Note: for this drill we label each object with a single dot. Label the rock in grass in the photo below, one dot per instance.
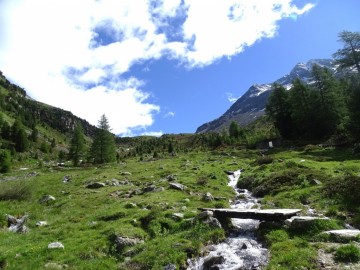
(345, 234)
(55, 245)
(17, 224)
(122, 242)
(208, 197)
(177, 186)
(53, 265)
(47, 199)
(301, 221)
(170, 267)
(96, 185)
(177, 216)
(41, 223)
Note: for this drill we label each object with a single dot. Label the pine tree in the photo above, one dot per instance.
(278, 108)
(103, 148)
(77, 146)
(5, 161)
(349, 55)
(19, 136)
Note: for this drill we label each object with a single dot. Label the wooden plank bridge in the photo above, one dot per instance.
(259, 214)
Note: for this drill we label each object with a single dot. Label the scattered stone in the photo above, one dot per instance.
(17, 225)
(150, 188)
(186, 200)
(345, 234)
(212, 262)
(130, 205)
(315, 182)
(183, 208)
(170, 267)
(302, 221)
(32, 174)
(55, 245)
(96, 185)
(177, 186)
(123, 242)
(205, 214)
(243, 246)
(160, 189)
(41, 223)
(113, 182)
(171, 177)
(125, 173)
(47, 199)
(177, 216)
(213, 222)
(208, 197)
(52, 265)
(66, 179)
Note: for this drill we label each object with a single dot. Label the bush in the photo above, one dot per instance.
(17, 191)
(346, 190)
(5, 161)
(264, 160)
(347, 253)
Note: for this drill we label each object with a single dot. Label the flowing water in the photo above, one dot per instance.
(240, 251)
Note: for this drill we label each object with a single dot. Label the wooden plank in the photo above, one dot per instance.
(259, 214)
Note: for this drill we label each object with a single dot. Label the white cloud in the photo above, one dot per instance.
(73, 54)
(169, 114)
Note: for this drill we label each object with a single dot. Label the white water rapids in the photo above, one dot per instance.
(240, 251)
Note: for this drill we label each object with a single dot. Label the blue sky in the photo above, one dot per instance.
(164, 66)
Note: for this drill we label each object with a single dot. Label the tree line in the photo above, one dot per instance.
(327, 107)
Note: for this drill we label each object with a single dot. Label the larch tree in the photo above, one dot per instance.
(349, 55)
(77, 146)
(103, 149)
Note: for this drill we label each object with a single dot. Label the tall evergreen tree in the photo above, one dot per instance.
(349, 55)
(77, 145)
(5, 161)
(278, 108)
(19, 137)
(103, 148)
(329, 102)
(301, 107)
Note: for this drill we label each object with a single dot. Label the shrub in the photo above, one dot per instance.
(5, 161)
(347, 253)
(264, 160)
(346, 190)
(14, 191)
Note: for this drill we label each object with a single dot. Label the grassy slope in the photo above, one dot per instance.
(84, 219)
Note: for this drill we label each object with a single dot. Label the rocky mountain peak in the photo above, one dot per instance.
(252, 104)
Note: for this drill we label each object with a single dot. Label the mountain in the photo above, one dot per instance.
(252, 104)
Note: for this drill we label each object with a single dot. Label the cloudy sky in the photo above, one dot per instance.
(161, 66)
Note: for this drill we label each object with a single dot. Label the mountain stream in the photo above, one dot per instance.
(240, 251)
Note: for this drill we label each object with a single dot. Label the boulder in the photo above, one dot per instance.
(205, 214)
(41, 223)
(55, 245)
(344, 235)
(177, 216)
(122, 242)
(177, 186)
(17, 224)
(112, 182)
(96, 185)
(53, 265)
(302, 221)
(66, 179)
(170, 267)
(213, 222)
(149, 188)
(212, 262)
(208, 197)
(47, 199)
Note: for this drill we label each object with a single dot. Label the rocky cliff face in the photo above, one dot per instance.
(252, 104)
